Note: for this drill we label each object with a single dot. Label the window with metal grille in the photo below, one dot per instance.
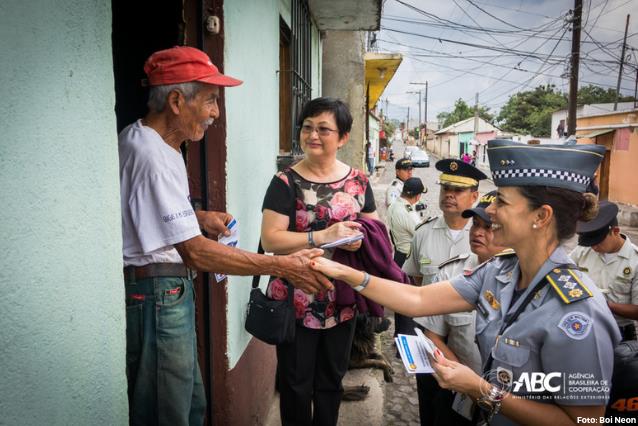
(295, 88)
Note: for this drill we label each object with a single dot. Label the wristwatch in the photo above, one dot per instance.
(491, 402)
(364, 283)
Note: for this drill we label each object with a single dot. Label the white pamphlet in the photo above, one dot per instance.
(413, 354)
(343, 241)
(231, 241)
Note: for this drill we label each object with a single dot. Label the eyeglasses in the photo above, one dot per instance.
(321, 130)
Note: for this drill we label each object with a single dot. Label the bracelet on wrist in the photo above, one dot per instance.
(311, 240)
(364, 283)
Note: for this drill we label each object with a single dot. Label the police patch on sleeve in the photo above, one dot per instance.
(576, 325)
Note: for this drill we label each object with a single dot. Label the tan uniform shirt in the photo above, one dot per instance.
(402, 219)
(432, 245)
(617, 279)
(393, 192)
(459, 327)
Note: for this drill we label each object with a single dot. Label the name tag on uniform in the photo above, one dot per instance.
(425, 261)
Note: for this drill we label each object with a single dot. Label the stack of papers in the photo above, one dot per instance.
(414, 352)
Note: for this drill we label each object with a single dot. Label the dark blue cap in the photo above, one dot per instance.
(559, 166)
(594, 231)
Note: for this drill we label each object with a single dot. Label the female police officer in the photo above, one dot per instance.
(545, 333)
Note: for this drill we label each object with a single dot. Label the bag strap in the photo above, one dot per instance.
(292, 217)
(510, 319)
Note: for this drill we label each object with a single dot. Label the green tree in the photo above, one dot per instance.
(461, 112)
(530, 112)
(597, 95)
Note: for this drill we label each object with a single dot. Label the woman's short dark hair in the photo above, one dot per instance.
(337, 107)
(569, 206)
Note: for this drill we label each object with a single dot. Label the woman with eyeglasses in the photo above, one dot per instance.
(328, 196)
(544, 331)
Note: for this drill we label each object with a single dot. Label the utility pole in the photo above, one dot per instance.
(418, 116)
(636, 91)
(476, 116)
(407, 125)
(425, 114)
(425, 102)
(575, 60)
(622, 62)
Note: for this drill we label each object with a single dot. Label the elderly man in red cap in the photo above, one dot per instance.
(163, 240)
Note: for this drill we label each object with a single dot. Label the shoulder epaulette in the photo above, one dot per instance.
(506, 253)
(428, 220)
(454, 259)
(394, 183)
(567, 285)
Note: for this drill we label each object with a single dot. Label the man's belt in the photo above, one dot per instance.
(154, 270)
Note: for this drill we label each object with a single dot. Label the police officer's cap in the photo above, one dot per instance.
(403, 164)
(413, 186)
(593, 232)
(559, 166)
(479, 210)
(458, 173)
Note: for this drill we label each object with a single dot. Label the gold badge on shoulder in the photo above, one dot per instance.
(491, 299)
(626, 271)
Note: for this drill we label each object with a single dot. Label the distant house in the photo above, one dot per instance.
(618, 132)
(585, 111)
(454, 140)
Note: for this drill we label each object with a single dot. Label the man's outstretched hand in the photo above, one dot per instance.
(298, 273)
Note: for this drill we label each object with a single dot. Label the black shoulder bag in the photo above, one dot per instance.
(273, 321)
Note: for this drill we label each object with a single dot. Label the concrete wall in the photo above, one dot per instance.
(63, 316)
(343, 77)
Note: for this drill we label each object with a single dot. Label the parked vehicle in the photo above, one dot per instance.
(407, 153)
(420, 158)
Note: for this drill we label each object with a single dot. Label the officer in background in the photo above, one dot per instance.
(403, 170)
(611, 260)
(403, 218)
(454, 334)
(438, 239)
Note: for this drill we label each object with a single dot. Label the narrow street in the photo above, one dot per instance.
(401, 406)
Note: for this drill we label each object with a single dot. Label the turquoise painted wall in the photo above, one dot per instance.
(252, 111)
(252, 133)
(62, 317)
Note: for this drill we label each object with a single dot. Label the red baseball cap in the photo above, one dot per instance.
(182, 64)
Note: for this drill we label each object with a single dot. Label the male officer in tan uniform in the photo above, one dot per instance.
(403, 170)
(611, 260)
(438, 239)
(403, 218)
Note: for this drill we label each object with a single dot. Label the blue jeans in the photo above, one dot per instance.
(164, 381)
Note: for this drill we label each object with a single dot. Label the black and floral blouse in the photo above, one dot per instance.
(318, 205)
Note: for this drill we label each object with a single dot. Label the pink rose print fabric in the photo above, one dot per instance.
(331, 202)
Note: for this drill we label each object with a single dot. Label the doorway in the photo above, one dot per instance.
(139, 29)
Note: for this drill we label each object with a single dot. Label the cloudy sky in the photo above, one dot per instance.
(500, 47)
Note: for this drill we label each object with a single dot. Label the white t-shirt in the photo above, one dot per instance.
(156, 208)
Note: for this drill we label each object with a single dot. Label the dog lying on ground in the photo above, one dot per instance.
(364, 353)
